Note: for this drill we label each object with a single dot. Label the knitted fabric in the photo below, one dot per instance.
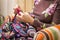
(51, 33)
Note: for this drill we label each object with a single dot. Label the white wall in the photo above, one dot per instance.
(6, 6)
(26, 5)
(3, 7)
(11, 4)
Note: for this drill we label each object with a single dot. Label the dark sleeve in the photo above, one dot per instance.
(38, 23)
(56, 17)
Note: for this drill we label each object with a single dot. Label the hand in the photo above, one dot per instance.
(25, 18)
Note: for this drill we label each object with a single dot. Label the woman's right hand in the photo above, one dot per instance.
(25, 17)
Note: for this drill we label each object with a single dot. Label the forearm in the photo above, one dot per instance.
(56, 17)
(38, 23)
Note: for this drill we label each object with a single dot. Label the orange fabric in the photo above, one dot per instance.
(7, 18)
(40, 36)
(57, 26)
(51, 37)
(12, 16)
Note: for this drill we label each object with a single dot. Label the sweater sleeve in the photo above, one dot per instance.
(56, 17)
(38, 23)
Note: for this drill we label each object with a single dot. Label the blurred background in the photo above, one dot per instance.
(6, 6)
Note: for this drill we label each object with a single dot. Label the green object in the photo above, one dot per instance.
(46, 15)
(44, 26)
(1, 20)
(53, 23)
(55, 35)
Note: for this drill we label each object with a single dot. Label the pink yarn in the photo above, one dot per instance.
(17, 10)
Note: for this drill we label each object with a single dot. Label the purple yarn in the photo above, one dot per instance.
(35, 2)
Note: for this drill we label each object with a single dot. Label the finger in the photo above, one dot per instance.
(21, 13)
(26, 13)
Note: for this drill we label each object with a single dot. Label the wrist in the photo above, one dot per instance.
(31, 21)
